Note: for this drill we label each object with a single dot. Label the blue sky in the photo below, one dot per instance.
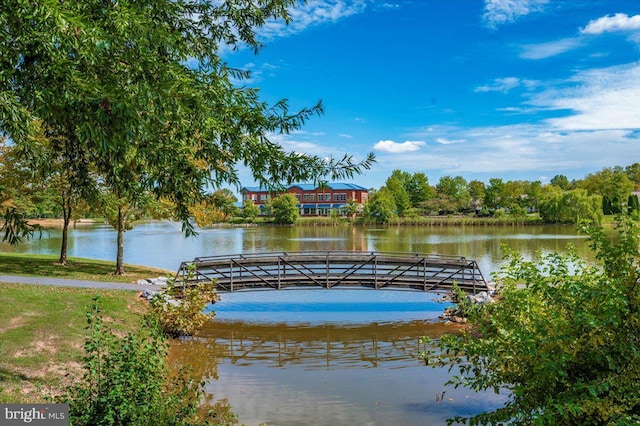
(516, 89)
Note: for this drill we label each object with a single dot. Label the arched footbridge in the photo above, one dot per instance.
(331, 269)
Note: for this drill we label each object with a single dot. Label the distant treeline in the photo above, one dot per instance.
(406, 195)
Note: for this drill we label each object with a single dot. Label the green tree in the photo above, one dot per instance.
(476, 192)
(634, 205)
(115, 79)
(219, 206)
(56, 169)
(633, 173)
(381, 206)
(557, 206)
(494, 193)
(561, 181)
(533, 191)
(397, 183)
(512, 194)
(419, 189)
(456, 190)
(13, 226)
(285, 209)
(351, 209)
(612, 184)
(250, 211)
(562, 341)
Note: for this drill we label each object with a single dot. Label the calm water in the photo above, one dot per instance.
(320, 357)
(161, 244)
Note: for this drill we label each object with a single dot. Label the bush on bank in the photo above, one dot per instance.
(563, 341)
(126, 381)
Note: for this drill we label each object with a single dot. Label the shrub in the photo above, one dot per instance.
(563, 340)
(183, 315)
(126, 381)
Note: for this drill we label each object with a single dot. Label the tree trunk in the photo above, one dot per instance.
(120, 253)
(66, 219)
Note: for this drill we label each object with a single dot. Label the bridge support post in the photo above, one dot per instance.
(375, 271)
(326, 281)
(424, 273)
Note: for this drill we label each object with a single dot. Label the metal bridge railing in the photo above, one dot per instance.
(329, 269)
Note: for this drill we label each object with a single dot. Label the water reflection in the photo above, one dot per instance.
(162, 244)
(327, 374)
(327, 357)
(320, 346)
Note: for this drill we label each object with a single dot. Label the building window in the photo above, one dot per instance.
(343, 197)
(254, 197)
(312, 197)
(263, 197)
(336, 197)
(298, 196)
(305, 197)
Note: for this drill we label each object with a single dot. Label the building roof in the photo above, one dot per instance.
(253, 189)
(335, 186)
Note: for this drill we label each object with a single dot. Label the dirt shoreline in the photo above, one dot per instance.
(57, 223)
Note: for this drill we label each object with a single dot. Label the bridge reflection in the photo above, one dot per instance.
(318, 346)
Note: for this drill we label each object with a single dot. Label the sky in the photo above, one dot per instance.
(512, 89)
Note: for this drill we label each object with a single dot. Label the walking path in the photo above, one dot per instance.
(63, 282)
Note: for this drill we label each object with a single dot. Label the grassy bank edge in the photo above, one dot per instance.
(42, 332)
(42, 328)
(42, 265)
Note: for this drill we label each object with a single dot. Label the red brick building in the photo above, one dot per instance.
(313, 200)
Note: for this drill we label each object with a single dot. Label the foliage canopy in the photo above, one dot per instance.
(285, 210)
(138, 91)
(563, 341)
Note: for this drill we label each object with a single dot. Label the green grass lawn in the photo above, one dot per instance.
(77, 268)
(42, 331)
(42, 328)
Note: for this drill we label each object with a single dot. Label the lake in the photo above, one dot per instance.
(318, 357)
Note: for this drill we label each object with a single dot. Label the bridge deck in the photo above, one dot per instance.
(329, 269)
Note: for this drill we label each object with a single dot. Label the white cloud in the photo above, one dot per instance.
(301, 142)
(617, 22)
(504, 85)
(397, 148)
(598, 128)
(445, 141)
(547, 50)
(498, 12)
(518, 110)
(303, 133)
(345, 135)
(519, 150)
(607, 98)
(311, 14)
